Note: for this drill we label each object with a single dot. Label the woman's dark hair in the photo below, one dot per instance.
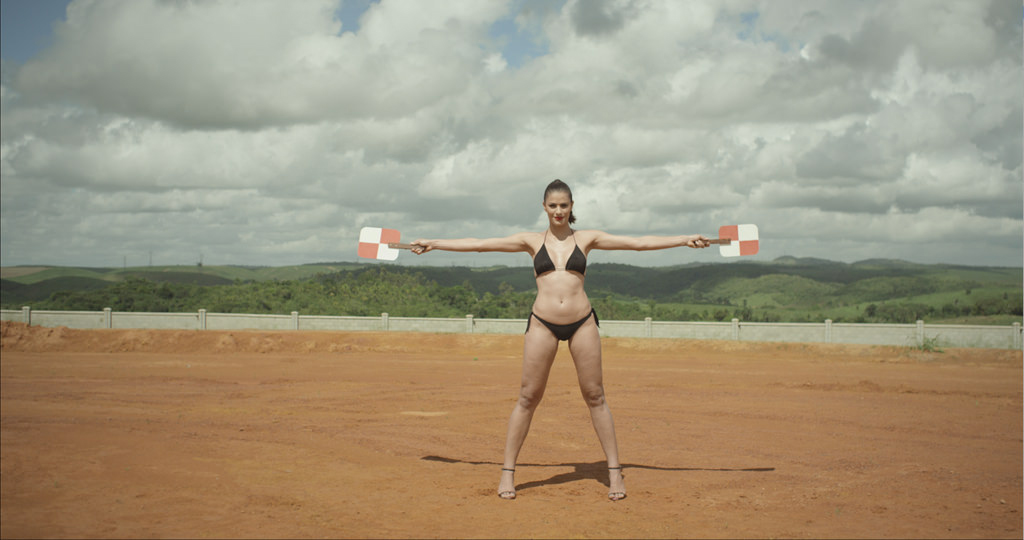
(559, 185)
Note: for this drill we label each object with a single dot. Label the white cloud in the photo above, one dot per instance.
(257, 63)
(259, 132)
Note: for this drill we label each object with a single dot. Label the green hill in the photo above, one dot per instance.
(180, 274)
(16, 294)
(787, 289)
(54, 272)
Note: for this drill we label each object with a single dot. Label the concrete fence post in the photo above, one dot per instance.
(920, 333)
(107, 316)
(295, 320)
(1017, 338)
(828, 330)
(469, 323)
(384, 321)
(26, 315)
(202, 319)
(647, 327)
(736, 329)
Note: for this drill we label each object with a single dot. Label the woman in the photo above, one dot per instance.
(561, 312)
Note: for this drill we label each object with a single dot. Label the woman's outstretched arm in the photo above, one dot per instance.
(514, 243)
(603, 240)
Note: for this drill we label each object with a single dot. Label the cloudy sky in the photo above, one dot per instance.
(268, 133)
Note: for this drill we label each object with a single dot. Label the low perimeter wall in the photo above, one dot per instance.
(911, 335)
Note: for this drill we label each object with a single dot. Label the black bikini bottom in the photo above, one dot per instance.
(564, 331)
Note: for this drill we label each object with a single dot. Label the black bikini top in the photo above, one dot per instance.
(542, 261)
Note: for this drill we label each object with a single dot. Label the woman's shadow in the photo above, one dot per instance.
(587, 471)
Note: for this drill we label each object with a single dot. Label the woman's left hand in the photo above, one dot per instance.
(420, 247)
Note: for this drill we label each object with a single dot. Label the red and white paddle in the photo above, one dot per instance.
(380, 244)
(742, 240)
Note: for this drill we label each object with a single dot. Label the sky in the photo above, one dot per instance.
(268, 133)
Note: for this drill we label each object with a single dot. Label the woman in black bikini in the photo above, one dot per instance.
(565, 314)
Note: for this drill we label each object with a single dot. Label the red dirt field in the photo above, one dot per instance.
(147, 433)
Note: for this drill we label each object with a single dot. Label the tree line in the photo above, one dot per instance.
(410, 294)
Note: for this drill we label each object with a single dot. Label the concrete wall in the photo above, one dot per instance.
(876, 334)
(910, 335)
(70, 319)
(499, 326)
(429, 324)
(692, 330)
(161, 321)
(343, 324)
(986, 337)
(789, 332)
(240, 321)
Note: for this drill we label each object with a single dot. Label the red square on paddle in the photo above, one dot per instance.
(368, 251)
(388, 236)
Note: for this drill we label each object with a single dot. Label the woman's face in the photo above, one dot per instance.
(558, 206)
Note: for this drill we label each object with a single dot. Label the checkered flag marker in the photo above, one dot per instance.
(380, 244)
(744, 240)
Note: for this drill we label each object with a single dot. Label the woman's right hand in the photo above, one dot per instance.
(698, 241)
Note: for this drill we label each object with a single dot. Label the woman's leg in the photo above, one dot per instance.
(585, 347)
(538, 354)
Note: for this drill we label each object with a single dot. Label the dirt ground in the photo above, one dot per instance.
(144, 433)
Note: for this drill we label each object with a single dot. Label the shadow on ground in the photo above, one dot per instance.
(596, 470)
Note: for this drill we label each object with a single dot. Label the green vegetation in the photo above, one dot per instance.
(930, 344)
(788, 289)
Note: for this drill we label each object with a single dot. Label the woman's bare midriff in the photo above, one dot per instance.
(561, 298)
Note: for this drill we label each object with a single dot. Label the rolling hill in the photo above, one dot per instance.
(787, 288)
